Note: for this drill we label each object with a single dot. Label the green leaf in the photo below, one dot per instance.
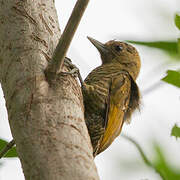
(11, 153)
(178, 47)
(173, 77)
(170, 47)
(177, 20)
(160, 163)
(143, 155)
(163, 166)
(175, 131)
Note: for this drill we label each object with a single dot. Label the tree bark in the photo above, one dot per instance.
(46, 118)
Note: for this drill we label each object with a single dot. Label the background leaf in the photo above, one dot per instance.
(178, 47)
(173, 77)
(170, 47)
(160, 164)
(11, 153)
(177, 20)
(163, 166)
(175, 131)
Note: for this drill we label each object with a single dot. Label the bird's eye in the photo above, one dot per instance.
(118, 48)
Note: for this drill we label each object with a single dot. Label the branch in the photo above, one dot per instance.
(7, 148)
(46, 120)
(153, 87)
(65, 40)
(143, 155)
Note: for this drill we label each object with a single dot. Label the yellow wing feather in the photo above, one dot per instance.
(118, 104)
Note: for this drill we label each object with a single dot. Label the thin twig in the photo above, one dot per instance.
(153, 87)
(146, 160)
(7, 148)
(66, 37)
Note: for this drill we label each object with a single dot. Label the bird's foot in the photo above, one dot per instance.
(74, 71)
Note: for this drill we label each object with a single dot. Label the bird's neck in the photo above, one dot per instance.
(131, 68)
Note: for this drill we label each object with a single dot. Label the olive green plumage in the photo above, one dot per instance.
(110, 92)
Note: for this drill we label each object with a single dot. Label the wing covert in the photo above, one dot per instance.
(117, 104)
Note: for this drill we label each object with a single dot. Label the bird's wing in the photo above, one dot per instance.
(118, 100)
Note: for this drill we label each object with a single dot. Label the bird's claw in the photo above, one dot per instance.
(68, 62)
(74, 71)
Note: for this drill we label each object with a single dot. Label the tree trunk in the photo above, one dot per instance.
(46, 118)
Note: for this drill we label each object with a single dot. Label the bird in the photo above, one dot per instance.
(110, 92)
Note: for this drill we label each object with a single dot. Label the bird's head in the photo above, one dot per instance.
(121, 53)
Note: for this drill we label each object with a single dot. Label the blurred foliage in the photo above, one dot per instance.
(173, 77)
(170, 47)
(179, 47)
(160, 164)
(177, 20)
(145, 159)
(177, 23)
(11, 153)
(175, 131)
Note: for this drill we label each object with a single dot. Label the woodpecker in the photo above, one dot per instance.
(110, 92)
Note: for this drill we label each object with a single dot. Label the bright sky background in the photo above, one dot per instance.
(135, 20)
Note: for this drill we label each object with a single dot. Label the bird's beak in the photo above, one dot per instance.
(100, 46)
